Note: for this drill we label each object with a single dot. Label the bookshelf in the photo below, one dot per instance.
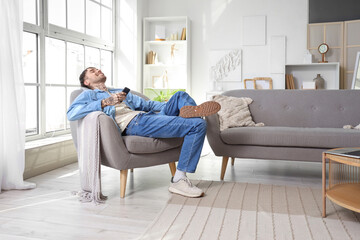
(307, 72)
(166, 61)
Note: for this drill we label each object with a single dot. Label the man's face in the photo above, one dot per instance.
(94, 76)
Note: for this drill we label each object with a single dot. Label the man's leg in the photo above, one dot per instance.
(176, 102)
(181, 104)
(172, 108)
(161, 126)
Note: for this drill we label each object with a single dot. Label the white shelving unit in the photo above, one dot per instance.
(307, 72)
(170, 71)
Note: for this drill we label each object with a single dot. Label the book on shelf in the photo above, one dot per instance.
(183, 34)
(289, 83)
(150, 58)
(292, 81)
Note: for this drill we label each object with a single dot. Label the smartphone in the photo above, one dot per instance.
(126, 90)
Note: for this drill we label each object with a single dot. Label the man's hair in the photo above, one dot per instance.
(82, 78)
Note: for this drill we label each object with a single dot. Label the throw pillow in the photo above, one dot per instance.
(235, 112)
(352, 127)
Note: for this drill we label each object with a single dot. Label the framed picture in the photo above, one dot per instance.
(308, 85)
(258, 83)
(225, 65)
(263, 83)
(254, 30)
(249, 83)
(157, 82)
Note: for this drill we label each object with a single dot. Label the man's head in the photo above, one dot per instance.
(91, 76)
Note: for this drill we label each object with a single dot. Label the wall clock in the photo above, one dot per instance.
(323, 48)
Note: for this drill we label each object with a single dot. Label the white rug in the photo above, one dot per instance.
(253, 211)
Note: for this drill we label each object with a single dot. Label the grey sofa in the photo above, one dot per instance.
(128, 152)
(299, 125)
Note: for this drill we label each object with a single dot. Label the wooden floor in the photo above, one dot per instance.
(51, 212)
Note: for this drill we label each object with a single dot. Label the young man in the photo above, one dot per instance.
(179, 117)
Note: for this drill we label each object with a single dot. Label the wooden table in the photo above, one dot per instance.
(344, 180)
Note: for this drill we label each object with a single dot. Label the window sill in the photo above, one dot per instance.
(47, 141)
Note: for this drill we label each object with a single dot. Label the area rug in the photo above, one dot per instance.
(253, 211)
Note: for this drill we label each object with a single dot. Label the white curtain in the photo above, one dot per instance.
(12, 98)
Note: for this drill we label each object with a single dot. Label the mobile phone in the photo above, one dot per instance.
(126, 90)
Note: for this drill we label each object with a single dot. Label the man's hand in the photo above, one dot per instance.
(121, 96)
(114, 99)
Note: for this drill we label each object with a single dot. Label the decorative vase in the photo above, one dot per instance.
(319, 82)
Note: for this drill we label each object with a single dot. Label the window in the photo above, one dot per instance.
(78, 34)
(30, 66)
(76, 17)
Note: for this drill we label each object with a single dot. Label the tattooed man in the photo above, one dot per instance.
(179, 117)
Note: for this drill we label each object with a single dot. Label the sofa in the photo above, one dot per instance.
(299, 125)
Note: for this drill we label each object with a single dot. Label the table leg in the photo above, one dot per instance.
(330, 175)
(324, 184)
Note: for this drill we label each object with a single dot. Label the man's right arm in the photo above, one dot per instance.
(84, 104)
(113, 100)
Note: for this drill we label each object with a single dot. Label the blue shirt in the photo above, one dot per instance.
(90, 100)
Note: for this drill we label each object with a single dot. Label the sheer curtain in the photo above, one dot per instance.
(12, 98)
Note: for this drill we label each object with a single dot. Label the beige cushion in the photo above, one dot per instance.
(234, 112)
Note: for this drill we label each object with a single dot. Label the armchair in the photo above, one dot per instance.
(128, 152)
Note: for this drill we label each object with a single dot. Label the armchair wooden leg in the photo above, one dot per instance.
(123, 178)
(223, 167)
(172, 168)
(232, 161)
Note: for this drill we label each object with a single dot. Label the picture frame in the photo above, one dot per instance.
(356, 76)
(249, 83)
(157, 82)
(258, 83)
(308, 85)
(159, 33)
(263, 83)
(254, 30)
(225, 65)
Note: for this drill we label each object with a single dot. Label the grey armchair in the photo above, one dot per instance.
(128, 152)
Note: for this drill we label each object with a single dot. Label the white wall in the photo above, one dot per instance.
(217, 25)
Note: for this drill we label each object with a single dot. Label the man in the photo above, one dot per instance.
(179, 117)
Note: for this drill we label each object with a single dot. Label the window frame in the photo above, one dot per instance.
(44, 29)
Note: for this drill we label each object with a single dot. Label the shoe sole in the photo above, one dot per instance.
(203, 110)
(176, 191)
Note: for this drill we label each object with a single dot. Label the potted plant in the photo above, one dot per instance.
(164, 95)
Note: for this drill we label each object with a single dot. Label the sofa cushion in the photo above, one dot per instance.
(234, 112)
(137, 144)
(292, 137)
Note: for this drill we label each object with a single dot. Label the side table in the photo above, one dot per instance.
(344, 179)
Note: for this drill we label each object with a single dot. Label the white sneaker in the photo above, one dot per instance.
(185, 188)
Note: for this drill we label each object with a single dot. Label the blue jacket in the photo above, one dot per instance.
(90, 100)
